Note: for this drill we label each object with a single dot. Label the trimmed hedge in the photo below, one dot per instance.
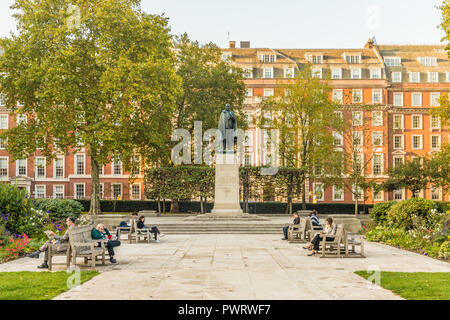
(254, 207)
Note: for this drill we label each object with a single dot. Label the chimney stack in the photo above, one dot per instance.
(232, 44)
(245, 44)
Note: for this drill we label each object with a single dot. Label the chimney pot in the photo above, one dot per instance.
(232, 44)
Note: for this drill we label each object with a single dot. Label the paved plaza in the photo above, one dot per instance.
(231, 266)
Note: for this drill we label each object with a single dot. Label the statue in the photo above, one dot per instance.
(228, 127)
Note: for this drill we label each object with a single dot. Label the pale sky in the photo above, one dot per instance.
(293, 23)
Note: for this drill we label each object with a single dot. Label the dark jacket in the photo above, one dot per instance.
(297, 220)
(140, 225)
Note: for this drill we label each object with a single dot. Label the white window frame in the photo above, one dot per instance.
(4, 119)
(336, 73)
(102, 190)
(411, 77)
(396, 76)
(63, 167)
(269, 92)
(395, 191)
(377, 118)
(402, 122)
(2, 100)
(249, 92)
(413, 102)
(381, 193)
(265, 75)
(113, 168)
(420, 117)
(375, 73)
(18, 167)
(433, 77)
(7, 167)
(355, 94)
(323, 190)
(131, 191)
(289, 72)
(433, 190)
(36, 170)
(396, 96)
(226, 56)
(402, 141)
(316, 73)
(434, 99)
(357, 121)
(75, 195)
(3, 143)
(63, 191)
(380, 95)
(361, 194)
(355, 73)
(393, 61)
(44, 187)
(381, 157)
(420, 146)
(402, 160)
(438, 119)
(342, 198)
(428, 61)
(248, 72)
(112, 190)
(359, 135)
(76, 165)
(341, 94)
(381, 133)
(338, 136)
(439, 141)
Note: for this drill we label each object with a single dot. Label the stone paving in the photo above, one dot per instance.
(236, 267)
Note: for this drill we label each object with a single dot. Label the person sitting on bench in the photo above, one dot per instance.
(315, 220)
(286, 228)
(125, 226)
(154, 229)
(329, 233)
(101, 233)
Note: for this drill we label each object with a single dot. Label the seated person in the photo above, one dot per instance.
(315, 220)
(329, 233)
(124, 226)
(286, 228)
(101, 233)
(70, 222)
(154, 229)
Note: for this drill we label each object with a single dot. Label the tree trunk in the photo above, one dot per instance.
(95, 194)
(159, 205)
(202, 208)
(303, 188)
(164, 206)
(175, 206)
(356, 205)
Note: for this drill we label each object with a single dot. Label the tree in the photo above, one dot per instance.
(305, 118)
(438, 168)
(412, 175)
(93, 74)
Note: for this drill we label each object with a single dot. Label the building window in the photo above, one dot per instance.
(357, 118)
(248, 160)
(338, 193)
(435, 141)
(358, 193)
(269, 58)
(447, 76)
(2, 100)
(435, 122)
(268, 92)
(357, 96)
(398, 121)
(356, 73)
(414, 77)
(248, 73)
(316, 59)
(59, 167)
(317, 73)
(434, 99)
(318, 193)
(79, 191)
(393, 61)
(357, 139)
(136, 192)
(398, 194)
(117, 168)
(289, 72)
(416, 99)
(377, 162)
(428, 61)
(101, 190)
(4, 167)
(378, 196)
(80, 165)
(398, 141)
(3, 121)
(376, 96)
(377, 138)
(398, 99)
(21, 167)
(336, 73)
(396, 76)
(21, 119)
(2, 144)
(337, 95)
(268, 73)
(417, 142)
(40, 168)
(375, 73)
(353, 59)
(249, 92)
(338, 139)
(397, 160)
(39, 192)
(433, 77)
(226, 56)
(416, 121)
(117, 191)
(435, 193)
(58, 192)
(377, 118)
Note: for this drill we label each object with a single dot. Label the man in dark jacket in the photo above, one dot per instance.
(286, 228)
(101, 233)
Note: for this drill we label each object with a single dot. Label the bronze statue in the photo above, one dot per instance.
(228, 127)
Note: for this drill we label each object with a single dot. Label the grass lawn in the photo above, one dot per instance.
(415, 285)
(36, 285)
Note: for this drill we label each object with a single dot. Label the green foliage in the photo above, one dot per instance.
(17, 216)
(37, 285)
(59, 209)
(413, 175)
(444, 250)
(414, 285)
(380, 210)
(403, 213)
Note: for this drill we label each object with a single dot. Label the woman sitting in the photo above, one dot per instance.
(329, 233)
(154, 229)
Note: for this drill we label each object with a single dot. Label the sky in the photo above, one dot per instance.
(293, 23)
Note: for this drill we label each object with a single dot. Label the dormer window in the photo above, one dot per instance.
(314, 58)
(352, 58)
(268, 58)
(428, 61)
(393, 61)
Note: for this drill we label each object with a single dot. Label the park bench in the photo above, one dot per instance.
(296, 231)
(335, 246)
(353, 240)
(82, 245)
(137, 234)
(58, 249)
(310, 230)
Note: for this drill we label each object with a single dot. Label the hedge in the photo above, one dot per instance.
(254, 207)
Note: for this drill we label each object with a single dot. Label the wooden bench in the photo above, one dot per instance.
(82, 245)
(335, 246)
(296, 231)
(353, 240)
(62, 249)
(137, 234)
(310, 230)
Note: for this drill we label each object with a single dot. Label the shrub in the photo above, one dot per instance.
(444, 251)
(17, 215)
(59, 209)
(380, 210)
(402, 214)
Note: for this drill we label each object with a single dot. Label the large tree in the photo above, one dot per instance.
(95, 74)
(305, 118)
